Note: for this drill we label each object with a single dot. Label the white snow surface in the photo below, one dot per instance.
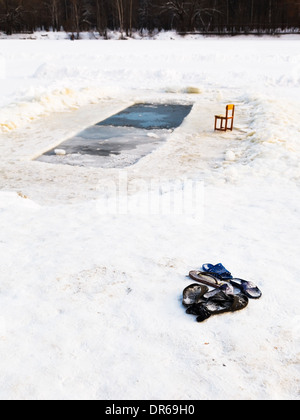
(90, 299)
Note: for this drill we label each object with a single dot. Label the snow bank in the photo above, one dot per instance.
(40, 103)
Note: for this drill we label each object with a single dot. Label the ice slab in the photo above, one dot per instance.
(107, 147)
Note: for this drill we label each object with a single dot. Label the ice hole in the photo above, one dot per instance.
(122, 139)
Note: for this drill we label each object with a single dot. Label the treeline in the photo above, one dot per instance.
(204, 16)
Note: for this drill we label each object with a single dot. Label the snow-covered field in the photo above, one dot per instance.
(90, 290)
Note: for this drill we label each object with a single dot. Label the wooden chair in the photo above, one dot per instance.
(226, 121)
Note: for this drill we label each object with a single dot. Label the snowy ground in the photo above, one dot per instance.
(90, 295)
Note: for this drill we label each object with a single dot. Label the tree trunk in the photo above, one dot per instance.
(120, 9)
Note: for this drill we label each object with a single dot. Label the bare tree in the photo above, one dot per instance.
(53, 6)
(130, 16)
(120, 10)
(101, 21)
(188, 12)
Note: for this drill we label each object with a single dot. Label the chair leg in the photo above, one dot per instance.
(216, 124)
(224, 124)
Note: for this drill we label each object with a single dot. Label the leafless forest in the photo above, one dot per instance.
(203, 16)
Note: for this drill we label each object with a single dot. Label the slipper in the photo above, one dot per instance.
(193, 294)
(247, 287)
(219, 303)
(218, 271)
(210, 280)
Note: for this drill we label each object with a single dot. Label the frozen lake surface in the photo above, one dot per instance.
(91, 299)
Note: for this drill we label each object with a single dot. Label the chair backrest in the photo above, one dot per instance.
(229, 108)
